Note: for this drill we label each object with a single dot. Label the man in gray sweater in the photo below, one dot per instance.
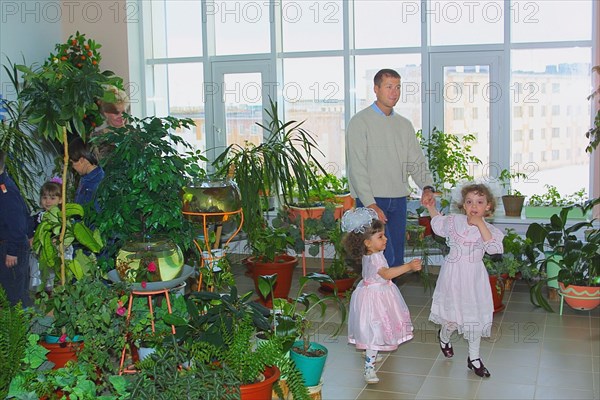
(382, 151)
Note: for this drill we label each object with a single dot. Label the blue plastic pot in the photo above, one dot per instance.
(310, 367)
(54, 339)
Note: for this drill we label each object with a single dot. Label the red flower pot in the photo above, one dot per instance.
(261, 390)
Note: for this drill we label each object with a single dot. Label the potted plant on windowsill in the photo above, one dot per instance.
(576, 259)
(551, 202)
(449, 159)
(513, 199)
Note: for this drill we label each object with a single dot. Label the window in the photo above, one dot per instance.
(453, 22)
(518, 135)
(317, 99)
(310, 25)
(517, 112)
(310, 64)
(458, 113)
(405, 33)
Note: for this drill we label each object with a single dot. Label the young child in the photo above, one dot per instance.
(379, 318)
(50, 196)
(462, 299)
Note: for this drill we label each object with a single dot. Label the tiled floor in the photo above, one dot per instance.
(533, 354)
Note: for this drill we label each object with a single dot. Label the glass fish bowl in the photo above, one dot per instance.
(135, 258)
(210, 196)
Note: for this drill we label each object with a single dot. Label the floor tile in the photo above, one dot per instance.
(532, 354)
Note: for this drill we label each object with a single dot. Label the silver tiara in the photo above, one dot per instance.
(358, 219)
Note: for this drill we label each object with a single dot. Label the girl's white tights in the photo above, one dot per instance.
(370, 358)
(474, 339)
(445, 333)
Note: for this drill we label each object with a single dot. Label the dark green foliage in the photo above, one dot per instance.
(579, 260)
(13, 341)
(162, 377)
(140, 194)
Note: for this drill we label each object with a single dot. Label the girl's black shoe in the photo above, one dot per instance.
(447, 350)
(481, 371)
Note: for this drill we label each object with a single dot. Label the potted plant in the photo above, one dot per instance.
(221, 332)
(449, 159)
(13, 336)
(269, 247)
(513, 199)
(339, 187)
(577, 260)
(338, 270)
(140, 195)
(47, 237)
(273, 167)
(544, 205)
(86, 322)
(61, 94)
(162, 376)
(291, 320)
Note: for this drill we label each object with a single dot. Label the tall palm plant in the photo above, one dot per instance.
(276, 166)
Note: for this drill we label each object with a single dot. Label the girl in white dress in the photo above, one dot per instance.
(462, 299)
(378, 318)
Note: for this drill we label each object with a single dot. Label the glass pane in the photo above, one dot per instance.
(158, 96)
(467, 94)
(241, 27)
(186, 100)
(405, 33)
(465, 22)
(184, 28)
(312, 25)
(242, 97)
(537, 21)
(158, 29)
(550, 116)
(409, 68)
(318, 99)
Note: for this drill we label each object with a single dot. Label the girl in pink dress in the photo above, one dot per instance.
(379, 318)
(462, 299)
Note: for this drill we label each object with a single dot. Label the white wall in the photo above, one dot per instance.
(29, 30)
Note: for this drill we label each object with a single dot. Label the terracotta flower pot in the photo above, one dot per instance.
(342, 285)
(497, 289)
(61, 353)
(582, 298)
(261, 390)
(283, 266)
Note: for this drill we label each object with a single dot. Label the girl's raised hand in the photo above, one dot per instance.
(415, 264)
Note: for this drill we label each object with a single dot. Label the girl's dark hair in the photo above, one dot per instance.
(354, 243)
(78, 148)
(51, 189)
(481, 190)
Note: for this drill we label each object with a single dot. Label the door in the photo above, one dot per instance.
(239, 95)
(468, 98)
